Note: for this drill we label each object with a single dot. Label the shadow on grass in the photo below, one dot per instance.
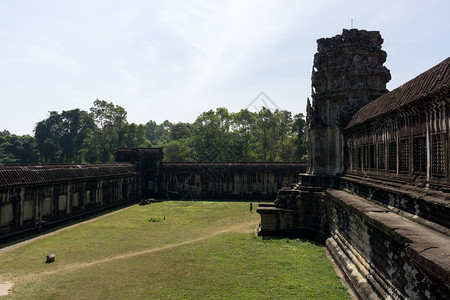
(34, 234)
(292, 239)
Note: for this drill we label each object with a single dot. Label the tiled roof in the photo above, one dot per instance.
(38, 174)
(433, 82)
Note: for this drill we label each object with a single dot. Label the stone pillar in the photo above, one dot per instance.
(69, 202)
(37, 205)
(348, 73)
(22, 208)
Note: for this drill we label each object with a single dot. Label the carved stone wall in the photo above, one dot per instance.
(377, 192)
(385, 255)
(148, 161)
(403, 135)
(348, 73)
(38, 196)
(389, 243)
(227, 180)
(49, 194)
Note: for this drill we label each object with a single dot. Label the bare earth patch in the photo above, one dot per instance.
(5, 288)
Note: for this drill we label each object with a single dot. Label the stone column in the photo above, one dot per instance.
(348, 73)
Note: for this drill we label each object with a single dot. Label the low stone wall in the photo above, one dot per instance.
(426, 206)
(33, 197)
(383, 254)
(295, 213)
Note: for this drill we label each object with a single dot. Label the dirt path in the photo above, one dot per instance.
(5, 288)
(127, 255)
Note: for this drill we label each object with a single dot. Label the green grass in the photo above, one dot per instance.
(200, 250)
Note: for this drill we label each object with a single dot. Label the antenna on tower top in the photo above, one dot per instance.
(352, 23)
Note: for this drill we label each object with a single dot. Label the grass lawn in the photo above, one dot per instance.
(170, 250)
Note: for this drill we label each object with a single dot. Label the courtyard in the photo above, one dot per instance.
(170, 250)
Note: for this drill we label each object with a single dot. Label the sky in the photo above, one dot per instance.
(172, 60)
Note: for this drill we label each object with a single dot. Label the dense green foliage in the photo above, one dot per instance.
(171, 250)
(17, 149)
(243, 136)
(61, 136)
(77, 136)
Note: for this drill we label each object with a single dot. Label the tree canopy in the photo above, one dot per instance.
(243, 136)
(77, 136)
(17, 149)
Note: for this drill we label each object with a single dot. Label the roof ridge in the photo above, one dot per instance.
(430, 81)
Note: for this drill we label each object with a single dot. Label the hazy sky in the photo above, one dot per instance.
(176, 59)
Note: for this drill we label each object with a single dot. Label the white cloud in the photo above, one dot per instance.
(175, 59)
(226, 37)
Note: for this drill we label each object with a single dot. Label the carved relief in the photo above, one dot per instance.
(347, 68)
(347, 74)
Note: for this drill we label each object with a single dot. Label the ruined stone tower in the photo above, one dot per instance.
(348, 73)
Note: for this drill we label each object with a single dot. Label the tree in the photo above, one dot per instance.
(92, 146)
(177, 151)
(79, 136)
(132, 136)
(60, 137)
(4, 133)
(179, 131)
(284, 124)
(47, 138)
(16, 149)
(298, 128)
(244, 136)
(216, 135)
(210, 135)
(108, 118)
(157, 134)
(75, 125)
(113, 131)
(106, 114)
(266, 135)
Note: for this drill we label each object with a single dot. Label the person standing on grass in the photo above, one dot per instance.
(251, 206)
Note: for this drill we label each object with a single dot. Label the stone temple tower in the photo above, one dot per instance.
(348, 73)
